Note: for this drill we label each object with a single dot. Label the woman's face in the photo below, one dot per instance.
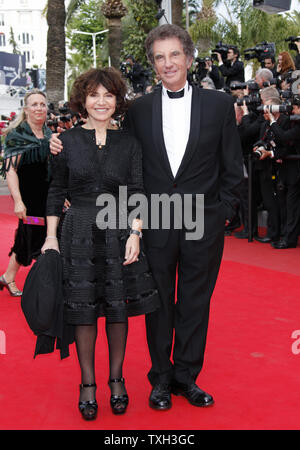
(100, 104)
(36, 109)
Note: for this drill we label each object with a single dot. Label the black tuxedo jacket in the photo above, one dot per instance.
(212, 162)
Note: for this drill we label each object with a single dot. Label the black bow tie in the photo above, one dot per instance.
(178, 94)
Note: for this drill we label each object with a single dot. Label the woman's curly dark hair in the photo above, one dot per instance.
(88, 82)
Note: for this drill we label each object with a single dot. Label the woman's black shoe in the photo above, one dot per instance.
(88, 408)
(118, 403)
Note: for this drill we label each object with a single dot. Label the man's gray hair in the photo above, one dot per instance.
(168, 31)
(264, 74)
(270, 93)
(209, 81)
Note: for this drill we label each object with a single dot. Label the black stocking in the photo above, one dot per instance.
(85, 339)
(116, 337)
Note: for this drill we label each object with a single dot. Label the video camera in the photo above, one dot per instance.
(292, 40)
(260, 51)
(222, 49)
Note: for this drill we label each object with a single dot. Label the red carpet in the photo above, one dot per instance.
(250, 367)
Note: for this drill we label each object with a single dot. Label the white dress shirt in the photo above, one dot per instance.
(176, 118)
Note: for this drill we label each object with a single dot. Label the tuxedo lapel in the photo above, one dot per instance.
(157, 132)
(196, 110)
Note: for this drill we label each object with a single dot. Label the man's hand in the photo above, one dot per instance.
(269, 116)
(55, 144)
(264, 153)
(220, 60)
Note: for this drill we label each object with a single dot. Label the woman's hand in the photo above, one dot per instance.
(50, 243)
(132, 249)
(20, 209)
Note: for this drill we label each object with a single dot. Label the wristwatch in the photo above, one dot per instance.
(138, 233)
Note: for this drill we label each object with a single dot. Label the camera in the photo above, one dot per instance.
(124, 68)
(237, 86)
(222, 49)
(253, 99)
(261, 145)
(63, 107)
(275, 108)
(201, 62)
(260, 52)
(292, 40)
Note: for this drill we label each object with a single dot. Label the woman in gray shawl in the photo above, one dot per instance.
(25, 166)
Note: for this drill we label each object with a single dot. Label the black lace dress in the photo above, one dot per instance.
(96, 283)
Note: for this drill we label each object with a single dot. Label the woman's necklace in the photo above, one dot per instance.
(99, 144)
(100, 141)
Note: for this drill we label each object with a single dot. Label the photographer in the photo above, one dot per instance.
(63, 121)
(249, 122)
(263, 77)
(289, 172)
(297, 59)
(269, 63)
(136, 74)
(206, 68)
(294, 44)
(232, 69)
(269, 152)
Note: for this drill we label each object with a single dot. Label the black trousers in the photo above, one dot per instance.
(195, 266)
(271, 203)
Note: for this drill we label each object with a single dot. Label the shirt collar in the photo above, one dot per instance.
(186, 89)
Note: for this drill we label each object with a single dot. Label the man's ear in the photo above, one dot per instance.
(189, 62)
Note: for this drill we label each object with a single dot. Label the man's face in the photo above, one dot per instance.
(269, 64)
(259, 81)
(296, 109)
(170, 63)
(129, 61)
(231, 55)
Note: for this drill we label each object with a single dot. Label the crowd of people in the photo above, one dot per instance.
(173, 138)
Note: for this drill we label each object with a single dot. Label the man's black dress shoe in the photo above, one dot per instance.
(241, 234)
(264, 240)
(283, 244)
(160, 397)
(192, 393)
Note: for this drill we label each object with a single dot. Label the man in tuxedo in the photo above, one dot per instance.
(190, 145)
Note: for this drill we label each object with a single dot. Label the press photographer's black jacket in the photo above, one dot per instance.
(234, 72)
(289, 138)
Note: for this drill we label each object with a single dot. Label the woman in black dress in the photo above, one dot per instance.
(105, 270)
(25, 166)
